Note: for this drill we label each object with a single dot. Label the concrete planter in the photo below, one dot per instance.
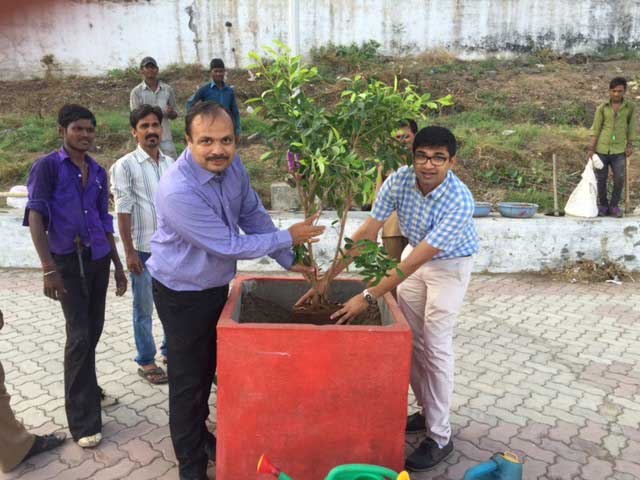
(311, 397)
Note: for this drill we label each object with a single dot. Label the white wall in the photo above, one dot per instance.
(90, 37)
(506, 245)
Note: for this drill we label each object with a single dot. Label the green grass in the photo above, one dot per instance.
(23, 140)
(615, 52)
(253, 125)
(129, 73)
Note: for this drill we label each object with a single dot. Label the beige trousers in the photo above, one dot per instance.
(430, 300)
(15, 441)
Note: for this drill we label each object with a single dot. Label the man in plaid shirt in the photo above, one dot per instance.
(435, 211)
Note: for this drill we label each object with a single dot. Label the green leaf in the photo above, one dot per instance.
(446, 101)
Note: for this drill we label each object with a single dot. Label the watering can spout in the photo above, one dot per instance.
(502, 466)
(266, 467)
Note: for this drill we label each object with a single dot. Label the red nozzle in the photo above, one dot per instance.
(265, 466)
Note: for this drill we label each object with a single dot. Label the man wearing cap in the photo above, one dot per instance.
(158, 94)
(219, 92)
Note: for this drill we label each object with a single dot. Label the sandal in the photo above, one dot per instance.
(43, 443)
(107, 400)
(156, 376)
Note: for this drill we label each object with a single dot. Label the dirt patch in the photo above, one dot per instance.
(256, 309)
(588, 271)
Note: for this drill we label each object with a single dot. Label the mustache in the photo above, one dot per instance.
(213, 158)
(152, 135)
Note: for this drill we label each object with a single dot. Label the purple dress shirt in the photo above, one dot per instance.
(68, 209)
(200, 215)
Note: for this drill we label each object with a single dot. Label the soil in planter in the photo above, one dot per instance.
(259, 310)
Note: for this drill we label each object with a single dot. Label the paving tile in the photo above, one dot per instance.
(596, 469)
(152, 471)
(543, 369)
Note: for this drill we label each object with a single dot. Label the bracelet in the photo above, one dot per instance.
(50, 272)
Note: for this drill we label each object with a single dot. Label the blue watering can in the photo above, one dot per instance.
(502, 466)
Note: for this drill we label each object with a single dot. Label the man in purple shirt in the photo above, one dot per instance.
(68, 215)
(202, 202)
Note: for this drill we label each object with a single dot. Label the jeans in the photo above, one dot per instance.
(617, 163)
(84, 317)
(189, 319)
(142, 315)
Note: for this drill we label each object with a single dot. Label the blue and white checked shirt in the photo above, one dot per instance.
(443, 218)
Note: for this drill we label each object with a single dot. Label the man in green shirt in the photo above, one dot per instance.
(612, 136)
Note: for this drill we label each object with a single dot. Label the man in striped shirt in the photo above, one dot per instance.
(435, 212)
(152, 91)
(134, 180)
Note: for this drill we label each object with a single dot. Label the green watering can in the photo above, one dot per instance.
(354, 471)
(502, 466)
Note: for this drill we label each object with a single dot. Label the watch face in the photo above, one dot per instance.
(369, 298)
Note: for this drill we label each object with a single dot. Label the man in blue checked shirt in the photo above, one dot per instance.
(435, 212)
(219, 92)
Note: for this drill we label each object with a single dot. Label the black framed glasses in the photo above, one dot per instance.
(437, 160)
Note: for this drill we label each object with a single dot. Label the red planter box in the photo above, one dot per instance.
(310, 397)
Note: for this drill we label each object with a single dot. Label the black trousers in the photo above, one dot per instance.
(84, 316)
(617, 163)
(189, 319)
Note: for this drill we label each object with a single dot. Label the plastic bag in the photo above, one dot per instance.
(583, 201)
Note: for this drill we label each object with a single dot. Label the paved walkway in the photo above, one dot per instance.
(545, 369)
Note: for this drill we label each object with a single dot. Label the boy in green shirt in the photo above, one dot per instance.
(612, 136)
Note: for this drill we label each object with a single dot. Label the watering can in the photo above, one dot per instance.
(502, 466)
(354, 471)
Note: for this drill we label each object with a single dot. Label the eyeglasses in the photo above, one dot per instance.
(420, 158)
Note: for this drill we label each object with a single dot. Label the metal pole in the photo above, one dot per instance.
(556, 210)
(13, 195)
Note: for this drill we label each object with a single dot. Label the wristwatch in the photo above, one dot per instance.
(369, 297)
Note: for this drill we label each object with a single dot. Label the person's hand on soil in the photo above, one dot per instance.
(350, 310)
(321, 289)
(306, 231)
(134, 264)
(121, 282)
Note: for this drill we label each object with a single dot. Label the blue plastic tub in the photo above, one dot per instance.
(482, 209)
(517, 210)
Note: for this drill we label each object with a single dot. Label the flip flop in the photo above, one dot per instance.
(156, 376)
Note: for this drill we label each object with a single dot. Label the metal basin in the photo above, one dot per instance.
(517, 210)
(482, 209)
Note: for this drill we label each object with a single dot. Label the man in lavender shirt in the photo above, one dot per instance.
(202, 202)
(72, 231)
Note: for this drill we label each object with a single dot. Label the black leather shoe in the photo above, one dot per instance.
(416, 423)
(427, 455)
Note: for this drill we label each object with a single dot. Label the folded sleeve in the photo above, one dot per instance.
(40, 186)
(385, 203)
(121, 187)
(598, 119)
